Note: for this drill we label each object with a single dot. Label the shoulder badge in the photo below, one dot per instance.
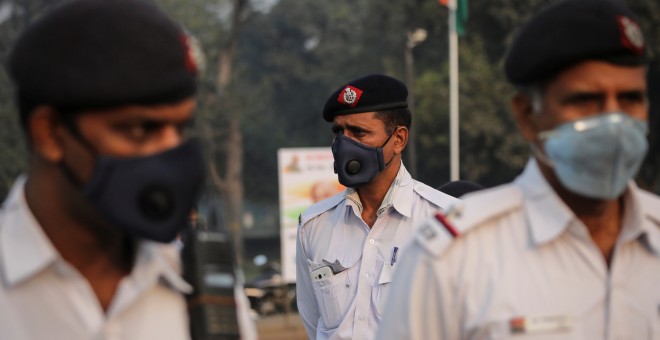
(438, 233)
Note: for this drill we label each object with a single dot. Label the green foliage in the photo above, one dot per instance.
(291, 57)
(13, 152)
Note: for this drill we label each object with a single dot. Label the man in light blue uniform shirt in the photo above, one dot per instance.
(571, 248)
(349, 245)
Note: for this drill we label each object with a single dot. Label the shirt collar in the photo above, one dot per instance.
(399, 195)
(25, 249)
(548, 215)
(159, 262)
(646, 217)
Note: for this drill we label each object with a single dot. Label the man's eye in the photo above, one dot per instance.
(133, 130)
(139, 130)
(632, 97)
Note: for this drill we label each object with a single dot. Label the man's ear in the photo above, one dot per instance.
(400, 139)
(523, 113)
(43, 125)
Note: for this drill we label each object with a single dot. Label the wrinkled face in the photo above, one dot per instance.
(584, 90)
(129, 131)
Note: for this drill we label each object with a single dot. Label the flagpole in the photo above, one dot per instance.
(453, 93)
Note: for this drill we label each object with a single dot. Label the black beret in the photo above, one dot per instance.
(459, 188)
(374, 92)
(89, 54)
(571, 31)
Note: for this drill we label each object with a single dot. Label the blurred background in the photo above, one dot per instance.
(269, 66)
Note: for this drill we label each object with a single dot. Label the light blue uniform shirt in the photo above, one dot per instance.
(349, 304)
(44, 297)
(527, 268)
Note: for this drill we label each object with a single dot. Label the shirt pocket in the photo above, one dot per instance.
(383, 288)
(334, 295)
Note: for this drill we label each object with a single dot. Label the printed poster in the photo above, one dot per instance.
(306, 176)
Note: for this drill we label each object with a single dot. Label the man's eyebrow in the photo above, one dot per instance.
(634, 92)
(582, 95)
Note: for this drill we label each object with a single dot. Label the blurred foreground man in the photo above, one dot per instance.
(349, 244)
(571, 248)
(105, 90)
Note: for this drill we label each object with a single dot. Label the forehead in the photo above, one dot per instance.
(358, 119)
(599, 76)
(175, 112)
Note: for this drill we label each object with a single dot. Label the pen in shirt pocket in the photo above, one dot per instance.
(394, 251)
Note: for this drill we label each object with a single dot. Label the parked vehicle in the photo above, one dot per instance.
(268, 293)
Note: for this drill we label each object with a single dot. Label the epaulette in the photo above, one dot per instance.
(436, 234)
(434, 196)
(320, 207)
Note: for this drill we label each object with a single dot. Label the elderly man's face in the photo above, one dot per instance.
(588, 89)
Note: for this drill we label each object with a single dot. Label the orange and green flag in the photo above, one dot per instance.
(461, 14)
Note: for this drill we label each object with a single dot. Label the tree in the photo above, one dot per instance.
(14, 17)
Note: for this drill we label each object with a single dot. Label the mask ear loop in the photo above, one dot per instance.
(69, 122)
(540, 155)
(386, 141)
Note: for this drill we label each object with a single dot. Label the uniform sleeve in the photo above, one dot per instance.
(421, 304)
(306, 300)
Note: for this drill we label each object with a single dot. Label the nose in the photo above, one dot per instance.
(172, 137)
(169, 137)
(612, 104)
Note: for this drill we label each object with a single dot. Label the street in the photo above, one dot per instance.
(281, 327)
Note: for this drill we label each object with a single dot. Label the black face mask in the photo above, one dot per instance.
(148, 197)
(357, 164)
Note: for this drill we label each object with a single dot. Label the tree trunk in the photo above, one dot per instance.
(230, 185)
(232, 196)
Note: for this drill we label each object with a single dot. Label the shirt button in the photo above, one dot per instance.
(365, 275)
(361, 317)
(372, 241)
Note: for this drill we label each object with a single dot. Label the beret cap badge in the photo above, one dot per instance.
(371, 93)
(190, 60)
(350, 96)
(631, 34)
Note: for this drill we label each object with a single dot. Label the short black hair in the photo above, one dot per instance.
(393, 118)
(25, 107)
